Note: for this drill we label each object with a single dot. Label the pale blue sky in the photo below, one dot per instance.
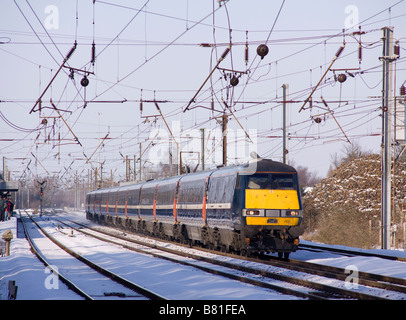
(156, 54)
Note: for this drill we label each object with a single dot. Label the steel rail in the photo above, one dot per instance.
(365, 278)
(351, 252)
(277, 288)
(113, 276)
(330, 290)
(65, 280)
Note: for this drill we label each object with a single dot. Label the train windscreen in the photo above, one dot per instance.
(276, 181)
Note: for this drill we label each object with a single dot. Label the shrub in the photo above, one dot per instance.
(345, 226)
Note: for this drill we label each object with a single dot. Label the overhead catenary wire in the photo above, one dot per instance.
(172, 111)
(153, 56)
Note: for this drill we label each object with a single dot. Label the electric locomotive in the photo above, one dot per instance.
(254, 207)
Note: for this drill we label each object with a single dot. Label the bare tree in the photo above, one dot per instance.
(348, 153)
(306, 177)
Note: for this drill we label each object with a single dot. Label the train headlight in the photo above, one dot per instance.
(292, 213)
(252, 213)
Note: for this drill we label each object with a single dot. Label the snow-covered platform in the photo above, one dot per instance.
(29, 274)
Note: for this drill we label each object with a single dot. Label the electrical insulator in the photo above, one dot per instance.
(93, 53)
(70, 52)
(403, 90)
(359, 52)
(84, 82)
(341, 77)
(141, 102)
(246, 47)
(340, 50)
(262, 50)
(360, 46)
(246, 53)
(234, 81)
(212, 105)
(225, 53)
(396, 49)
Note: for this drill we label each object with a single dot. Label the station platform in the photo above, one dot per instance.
(23, 267)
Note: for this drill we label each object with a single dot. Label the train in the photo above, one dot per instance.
(250, 208)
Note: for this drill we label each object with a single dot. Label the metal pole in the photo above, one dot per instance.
(76, 190)
(202, 147)
(135, 169)
(387, 107)
(224, 132)
(140, 178)
(101, 175)
(127, 169)
(40, 202)
(285, 124)
(4, 169)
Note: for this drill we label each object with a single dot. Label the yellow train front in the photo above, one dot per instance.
(271, 207)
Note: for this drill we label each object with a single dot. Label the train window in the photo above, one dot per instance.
(191, 192)
(166, 194)
(282, 181)
(271, 181)
(221, 188)
(148, 194)
(259, 181)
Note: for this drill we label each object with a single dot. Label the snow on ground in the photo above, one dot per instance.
(28, 272)
(376, 265)
(173, 280)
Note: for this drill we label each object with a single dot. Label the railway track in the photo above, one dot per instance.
(363, 278)
(105, 284)
(348, 252)
(245, 271)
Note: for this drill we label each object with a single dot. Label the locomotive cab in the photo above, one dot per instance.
(272, 210)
